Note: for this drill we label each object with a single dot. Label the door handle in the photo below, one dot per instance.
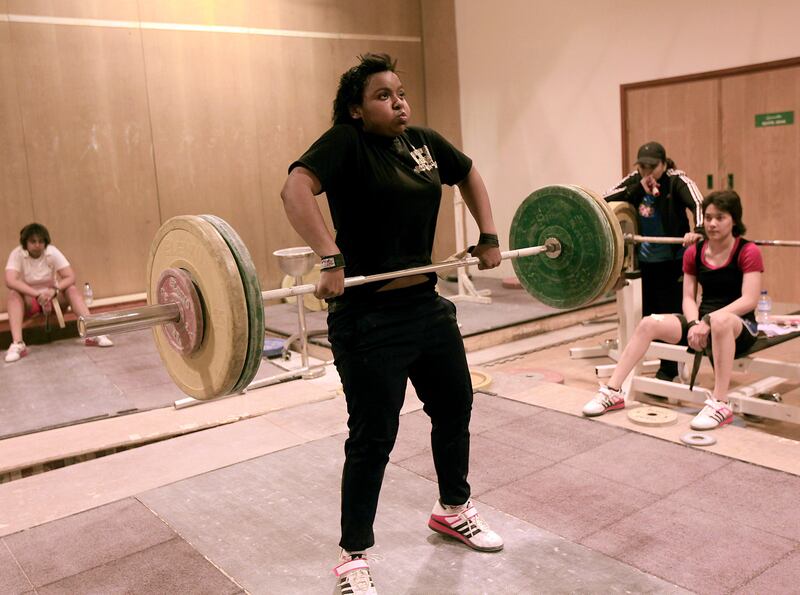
(730, 181)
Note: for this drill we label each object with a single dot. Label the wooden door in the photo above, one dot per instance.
(682, 116)
(763, 163)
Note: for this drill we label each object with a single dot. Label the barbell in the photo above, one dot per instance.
(206, 307)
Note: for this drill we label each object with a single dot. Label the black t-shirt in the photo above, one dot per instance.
(383, 194)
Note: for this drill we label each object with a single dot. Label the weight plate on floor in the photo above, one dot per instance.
(479, 379)
(586, 264)
(652, 416)
(697, 439)
(255, 305)
(629, 224)
(190, 243)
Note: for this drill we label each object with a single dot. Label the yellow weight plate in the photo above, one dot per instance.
(479, 379)
(629, 223)
(312, 304)
(619, 241)
(652, 416)
(194, 245)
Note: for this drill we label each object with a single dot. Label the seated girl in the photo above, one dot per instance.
(721, 286)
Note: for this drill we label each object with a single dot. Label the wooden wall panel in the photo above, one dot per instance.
(361, 17)
(440, 58)
(15, 200)
(684, 118)
(294, 111)
(125, 127)
(763, 162)
(204, 128)
(84, 111)
(125, 10)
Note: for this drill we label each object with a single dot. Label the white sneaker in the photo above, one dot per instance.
(714, 414)
(606, 399)
(465, 524)
(99, 341)
(16, 351)
(353, 574)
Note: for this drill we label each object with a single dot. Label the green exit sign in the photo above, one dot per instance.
(776, 119)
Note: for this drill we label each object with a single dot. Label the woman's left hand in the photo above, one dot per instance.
(489, 256)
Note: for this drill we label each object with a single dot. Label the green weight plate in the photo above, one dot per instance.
(255, 305)
(587, 260)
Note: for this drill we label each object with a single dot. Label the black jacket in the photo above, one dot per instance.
(677, 193)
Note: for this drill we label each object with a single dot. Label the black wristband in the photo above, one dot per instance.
(692, 323)
(332, 262)
(489, 239)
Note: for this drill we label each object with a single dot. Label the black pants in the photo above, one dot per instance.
(378, 346)
(662, 293)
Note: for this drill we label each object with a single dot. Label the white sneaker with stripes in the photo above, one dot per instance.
(714, 414)
(465, 524)
(606, 399)
(353, 574)
(16, 351)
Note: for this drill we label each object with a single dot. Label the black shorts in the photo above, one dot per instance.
(744, 341)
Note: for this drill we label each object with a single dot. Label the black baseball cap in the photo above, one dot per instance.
(651, 153)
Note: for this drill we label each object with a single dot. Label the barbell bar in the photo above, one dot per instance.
(551, 248)
(637, 239)
(206, 307)
(144, 317)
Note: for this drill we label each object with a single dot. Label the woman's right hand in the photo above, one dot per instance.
(650, 184)
(45, 295)
(697, 337)
(331, 284)
(691, 237)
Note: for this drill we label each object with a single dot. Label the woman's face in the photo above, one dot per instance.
(651, 170)
(717, 223)
(384, 109)
(35, 246)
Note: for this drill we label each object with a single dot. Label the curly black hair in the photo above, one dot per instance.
(352, 83)
(31, 230)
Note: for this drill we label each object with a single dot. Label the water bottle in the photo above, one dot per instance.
(88, 295)
(764, 308)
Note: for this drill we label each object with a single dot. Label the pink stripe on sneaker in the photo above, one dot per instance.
(356, 564)
(440, 527)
